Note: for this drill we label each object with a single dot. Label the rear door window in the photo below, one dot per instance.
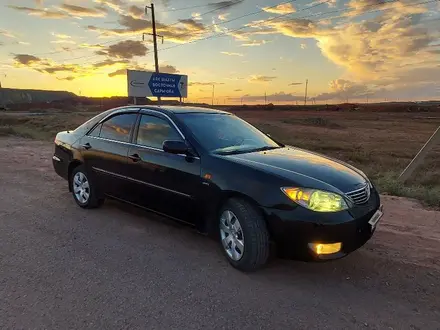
(118, 128)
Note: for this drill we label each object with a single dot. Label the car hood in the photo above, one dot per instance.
(303, 167)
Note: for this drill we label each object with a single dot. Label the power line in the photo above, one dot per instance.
(243, 27)
(251, 14)
(226, 6)
(307, 16)
(185, 8)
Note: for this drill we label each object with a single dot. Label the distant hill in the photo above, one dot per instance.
(17, 96)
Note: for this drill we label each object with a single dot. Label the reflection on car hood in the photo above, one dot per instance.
(293, 162)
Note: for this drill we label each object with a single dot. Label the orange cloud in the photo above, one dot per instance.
(284, 8)
(43, 13)
(260, 78)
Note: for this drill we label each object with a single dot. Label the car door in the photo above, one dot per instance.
(165, 182)
(105, 151)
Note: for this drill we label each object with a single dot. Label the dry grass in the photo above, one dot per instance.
(381, 144)
(43, 127)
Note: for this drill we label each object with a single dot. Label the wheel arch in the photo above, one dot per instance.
(211, 220)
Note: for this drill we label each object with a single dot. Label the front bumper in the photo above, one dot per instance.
(293, 230)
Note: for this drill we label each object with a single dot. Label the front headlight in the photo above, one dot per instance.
(316, 200)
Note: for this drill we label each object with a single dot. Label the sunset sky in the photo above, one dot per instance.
(348, 49)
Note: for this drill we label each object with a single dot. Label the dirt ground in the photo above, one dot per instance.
(62, 267)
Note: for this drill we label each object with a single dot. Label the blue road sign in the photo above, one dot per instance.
(143, 83)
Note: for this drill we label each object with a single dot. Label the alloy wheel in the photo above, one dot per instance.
(231, 235)
(81, 187)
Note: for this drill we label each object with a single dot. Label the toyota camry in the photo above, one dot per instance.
(218, 173)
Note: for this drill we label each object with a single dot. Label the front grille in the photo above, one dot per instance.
(360, 196)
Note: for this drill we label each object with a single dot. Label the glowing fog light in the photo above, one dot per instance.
(323, 248)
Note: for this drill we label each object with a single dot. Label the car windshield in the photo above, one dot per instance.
(226, 134)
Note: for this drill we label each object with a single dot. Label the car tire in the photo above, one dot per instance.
(83, 189)
(251, 234)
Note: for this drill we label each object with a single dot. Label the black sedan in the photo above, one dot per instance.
(220, 174)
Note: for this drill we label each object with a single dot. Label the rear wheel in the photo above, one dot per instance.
(243, 235)
(83, 190)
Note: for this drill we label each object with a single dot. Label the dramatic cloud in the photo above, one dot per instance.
(223, 17)
(359, 7)
(7, 34)
(68, 78)
(259, 78)
(344, 90)
(283, 8)
(192, 25)
(224, 4)
(126, 49)
(255, 43)
(303, 46)
(119, 72)
(116, 5)
(168, 69)
(67, 71)
(368, 50)
(109, 62)
(295, 83)
(26, 59)
(238, 90)
(79, 11)
(136, 12)
(232, 54)
(90, 46)
(329, 3)
(186, 30)
(61, 36)
(196, 16)
(44, 65)
(43, 13)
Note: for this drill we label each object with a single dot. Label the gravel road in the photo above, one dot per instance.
(118, 267)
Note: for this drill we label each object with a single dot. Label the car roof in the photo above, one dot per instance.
(183, 109)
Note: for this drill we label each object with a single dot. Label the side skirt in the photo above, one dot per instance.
(150, 210)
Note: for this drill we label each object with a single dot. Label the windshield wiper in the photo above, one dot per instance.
(264, 148)
(244, 151)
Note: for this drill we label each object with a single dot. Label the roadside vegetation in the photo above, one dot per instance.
(380, 144)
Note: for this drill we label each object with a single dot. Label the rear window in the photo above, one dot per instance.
(84, 128)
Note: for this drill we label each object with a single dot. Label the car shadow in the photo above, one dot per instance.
(364, 268)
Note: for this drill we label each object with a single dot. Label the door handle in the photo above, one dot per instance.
(86, 146)
(135, 157)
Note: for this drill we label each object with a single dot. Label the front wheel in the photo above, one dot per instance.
(83, 190)
(243, 235)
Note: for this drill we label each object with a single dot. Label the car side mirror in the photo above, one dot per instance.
(175, 147)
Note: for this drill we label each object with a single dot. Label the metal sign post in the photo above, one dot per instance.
(418, 159)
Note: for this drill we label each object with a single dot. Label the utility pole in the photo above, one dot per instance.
(2, 96)
(153, 23)
(305, 96)
(213, 86)
(265, 98)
